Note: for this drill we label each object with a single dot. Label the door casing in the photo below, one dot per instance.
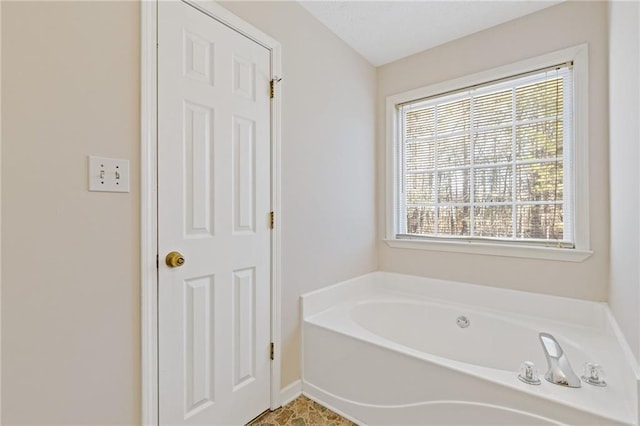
(149, 197)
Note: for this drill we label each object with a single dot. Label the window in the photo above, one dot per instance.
(492, 161)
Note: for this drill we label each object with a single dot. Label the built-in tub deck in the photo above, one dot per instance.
(388, 349)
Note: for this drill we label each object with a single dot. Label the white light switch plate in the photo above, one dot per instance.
(108, 174)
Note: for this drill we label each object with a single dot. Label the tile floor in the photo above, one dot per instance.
(301, 412)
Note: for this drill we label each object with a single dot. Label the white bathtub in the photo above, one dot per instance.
(385, 349)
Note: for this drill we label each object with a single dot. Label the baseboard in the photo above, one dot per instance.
(290, 392)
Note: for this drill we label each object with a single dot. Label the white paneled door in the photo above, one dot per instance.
(213, 210)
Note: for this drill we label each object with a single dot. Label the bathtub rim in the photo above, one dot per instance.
(519, 301)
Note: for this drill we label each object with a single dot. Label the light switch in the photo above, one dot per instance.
(108, 174)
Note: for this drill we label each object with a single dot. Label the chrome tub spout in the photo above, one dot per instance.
(560, 371)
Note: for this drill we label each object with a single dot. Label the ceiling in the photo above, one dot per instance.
(384, 31)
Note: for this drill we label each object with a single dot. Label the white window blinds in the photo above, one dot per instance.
(492, 161)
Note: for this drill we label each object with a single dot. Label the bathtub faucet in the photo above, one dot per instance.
(560, 371)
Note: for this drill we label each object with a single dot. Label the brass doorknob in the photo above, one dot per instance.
(174, 259)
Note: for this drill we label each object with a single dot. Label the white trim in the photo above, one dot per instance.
(148, 194)
(579, 55)
(291, 392)
(505, 71)
(494, 249)
(220, 14)
(148, 212)
(581, 145)
(276, 241)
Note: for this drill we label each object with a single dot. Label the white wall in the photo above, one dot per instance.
(70, 275)
(0, 213)
(71, 279)
(551, 29)
(624, 134)
(328, 160)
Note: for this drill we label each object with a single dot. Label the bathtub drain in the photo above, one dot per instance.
(462, 321)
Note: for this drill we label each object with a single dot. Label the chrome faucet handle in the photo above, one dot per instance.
(528, 373)
(593, 374)
(560, 371)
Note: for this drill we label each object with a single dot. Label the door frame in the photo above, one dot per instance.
(149, 197)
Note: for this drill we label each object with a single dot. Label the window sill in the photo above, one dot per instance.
(493, 249)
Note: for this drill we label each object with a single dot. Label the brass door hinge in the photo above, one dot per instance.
(272, 351)
(272, 85)
(272, 220)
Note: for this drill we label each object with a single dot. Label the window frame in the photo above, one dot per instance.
(580, 177)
